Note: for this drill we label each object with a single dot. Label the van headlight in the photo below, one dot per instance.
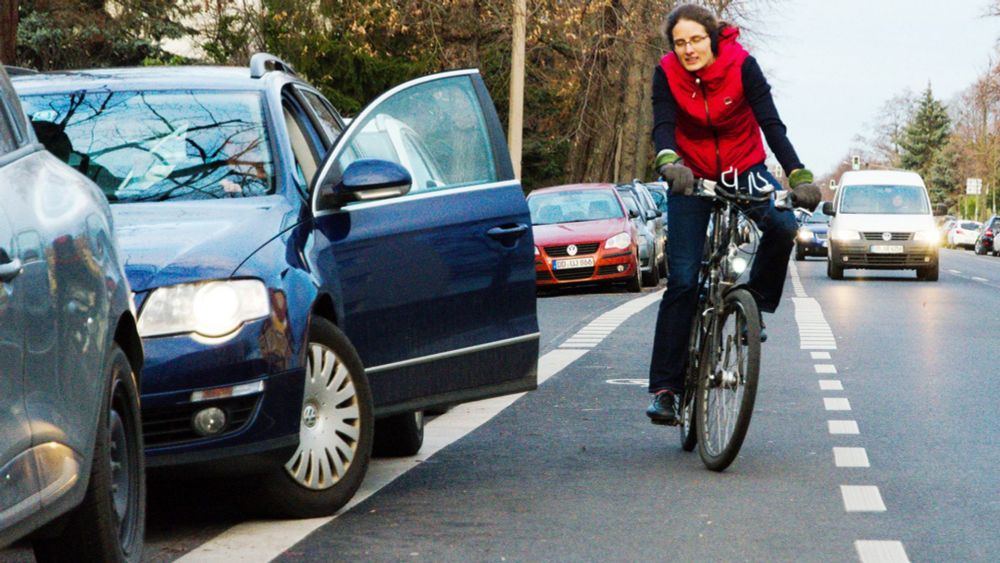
(844, 234)
(621, 240)
(931, 236)
(211, 309)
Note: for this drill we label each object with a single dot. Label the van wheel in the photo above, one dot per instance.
(928, 274)
(335, 432)
(833, 271)
(109, 525)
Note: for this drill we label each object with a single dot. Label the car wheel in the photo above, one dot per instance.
(335, 432)
(833, 271)
(652, 279)
(109, 525)
(800, 254)
(634, 284)
(399, 435)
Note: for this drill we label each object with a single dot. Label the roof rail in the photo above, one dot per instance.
(17, 70)
(263, 63)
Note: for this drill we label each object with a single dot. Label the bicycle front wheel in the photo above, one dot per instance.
(727, 382)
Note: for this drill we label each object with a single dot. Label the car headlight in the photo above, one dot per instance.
(621, 240)
(932, 237)
(211, 309)
(805, 235)
(844, 234)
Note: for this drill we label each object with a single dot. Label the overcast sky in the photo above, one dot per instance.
(833, 63)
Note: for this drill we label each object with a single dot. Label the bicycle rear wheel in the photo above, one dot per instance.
(727, 383)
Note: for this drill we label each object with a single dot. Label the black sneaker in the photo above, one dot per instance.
(663, 410)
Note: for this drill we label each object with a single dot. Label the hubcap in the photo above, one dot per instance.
(331, 422)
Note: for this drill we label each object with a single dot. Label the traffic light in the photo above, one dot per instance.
(855, 162)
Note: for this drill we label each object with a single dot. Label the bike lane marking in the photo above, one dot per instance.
(815, 334)
(261, 541)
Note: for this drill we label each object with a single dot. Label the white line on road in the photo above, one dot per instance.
(837, 404)
(843, 427)
(260, 541)
(850, 457)
(862, 498)
(825, 368)
(820, 355)
(871, 551)
(979, 279)
(830, 385)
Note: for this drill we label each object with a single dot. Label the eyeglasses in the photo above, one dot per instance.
(679, 44)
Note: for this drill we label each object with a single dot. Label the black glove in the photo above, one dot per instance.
(805, 194)
(678, 177)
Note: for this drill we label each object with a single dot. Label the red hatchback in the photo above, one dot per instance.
(583, 235)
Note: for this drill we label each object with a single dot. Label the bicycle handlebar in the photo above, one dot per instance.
(783, 199)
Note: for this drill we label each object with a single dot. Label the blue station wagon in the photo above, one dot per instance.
(305, 289)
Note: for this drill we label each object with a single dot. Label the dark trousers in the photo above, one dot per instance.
(687, 221)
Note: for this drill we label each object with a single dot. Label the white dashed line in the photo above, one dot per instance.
(825, 368)
(871, 551)
(843, 426)
(955, 272)
(862, 498)
(830, 385)
(820, 355)
(850, 457)
(979, 279)
(837, 404)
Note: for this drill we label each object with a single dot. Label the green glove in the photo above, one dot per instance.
(800, 176)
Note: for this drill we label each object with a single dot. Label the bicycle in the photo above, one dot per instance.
(723, 364)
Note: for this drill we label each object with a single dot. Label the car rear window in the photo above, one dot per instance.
(573, 206)
(970, 226)
(159, 145)
(884, 200)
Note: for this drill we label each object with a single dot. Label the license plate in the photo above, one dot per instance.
(573, 263)
(887, 249)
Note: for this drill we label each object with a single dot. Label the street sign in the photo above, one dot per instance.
(973, 186)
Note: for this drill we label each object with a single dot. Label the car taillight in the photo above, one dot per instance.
(988, 233)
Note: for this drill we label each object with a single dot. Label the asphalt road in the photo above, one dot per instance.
(574, 472)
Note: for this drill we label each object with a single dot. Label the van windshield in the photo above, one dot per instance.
(885, 200)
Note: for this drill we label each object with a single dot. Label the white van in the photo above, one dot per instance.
(883, 219)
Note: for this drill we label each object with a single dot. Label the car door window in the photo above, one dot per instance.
(327, 120)
(306, 147)
(435, 129)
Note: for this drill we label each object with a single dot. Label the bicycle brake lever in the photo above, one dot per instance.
(783, 200)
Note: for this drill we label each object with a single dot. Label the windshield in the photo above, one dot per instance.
(886, 200)
(570, 207)
(159, 145)
(817, 217)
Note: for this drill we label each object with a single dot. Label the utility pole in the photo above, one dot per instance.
(515, 120)
(8, 32)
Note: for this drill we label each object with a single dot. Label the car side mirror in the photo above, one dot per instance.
(940, 210)
(365, 180)
(828, 208)
(650, 214)
(632, 214)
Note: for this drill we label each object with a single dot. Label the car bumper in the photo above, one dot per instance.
(813, 247)
(253, 378)
(607, 267)
(867, 255)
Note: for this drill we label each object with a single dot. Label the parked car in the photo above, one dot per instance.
(811, 239)
(962, 234)
(985, 240)
(647, 237)
(70, 358)
(292, 275)
(654, 258)
(882, 219)
(584, 234)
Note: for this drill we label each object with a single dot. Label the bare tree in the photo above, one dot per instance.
(8, 32)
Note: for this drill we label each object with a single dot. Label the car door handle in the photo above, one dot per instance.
(507, 232)
(10, 269)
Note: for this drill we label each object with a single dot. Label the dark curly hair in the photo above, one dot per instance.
(697, 14)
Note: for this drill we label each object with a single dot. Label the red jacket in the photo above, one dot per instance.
(716, 128)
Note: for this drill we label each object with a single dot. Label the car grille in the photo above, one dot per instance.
(895, 236)
(171, 425)
(574, 274)
(872, 259)
(586, 248)
(541, 275)
(821, 236)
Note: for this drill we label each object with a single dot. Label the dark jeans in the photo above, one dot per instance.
(687, 219)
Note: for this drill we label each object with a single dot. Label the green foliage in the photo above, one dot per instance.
(923, 143)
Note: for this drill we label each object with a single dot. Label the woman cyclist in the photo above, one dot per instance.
(710, 104)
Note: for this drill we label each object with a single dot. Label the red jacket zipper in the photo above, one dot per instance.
(715, 133)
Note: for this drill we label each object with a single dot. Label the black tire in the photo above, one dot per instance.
(399, 435)
(719, 449)
(978, 248)
(110, 523)
(800, 254)
(688, 425)
(833, 271)
(652, 278)
(928, 274)
(284, 491)
(634, 284)
(663, 265)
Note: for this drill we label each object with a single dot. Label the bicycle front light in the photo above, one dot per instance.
(621, 240)
(210, 309)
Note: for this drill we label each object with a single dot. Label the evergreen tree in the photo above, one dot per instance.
(925, 137)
